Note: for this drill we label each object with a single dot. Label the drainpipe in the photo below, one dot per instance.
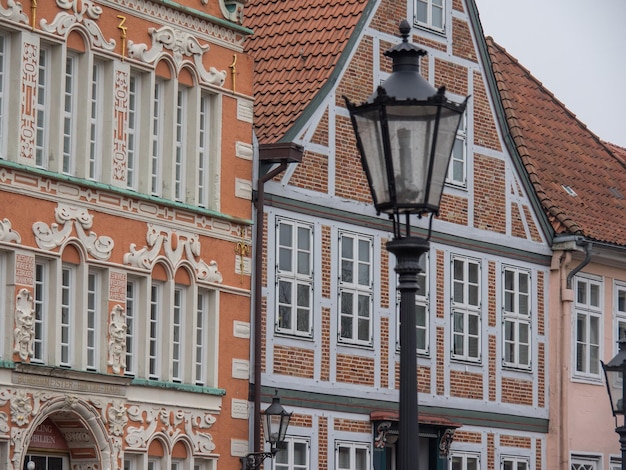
(269, 154)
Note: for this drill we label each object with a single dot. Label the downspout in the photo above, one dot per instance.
(283, 154)
(587, 247)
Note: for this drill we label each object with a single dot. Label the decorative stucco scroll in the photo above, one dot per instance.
(53, 236)
(181, 44)
(24, 332)
(13, 12)
(83, 12)
(176, 245)
(117, 339)
(7, 234)
(171, 423)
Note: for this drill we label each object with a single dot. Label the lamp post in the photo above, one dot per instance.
(275, 423)
(405, 132)
(614, 373)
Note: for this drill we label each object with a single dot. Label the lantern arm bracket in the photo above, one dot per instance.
(253, 460)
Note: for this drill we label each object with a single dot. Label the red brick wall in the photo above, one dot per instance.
(489, 194)
(466, 385)
(462, 44)
(485, 133)
(454, 209)
(517, 391)
(312, 173)
(452, 76)
(352, 425)
(297, 362)
(355, 369)
(384, 352)
(325, 372)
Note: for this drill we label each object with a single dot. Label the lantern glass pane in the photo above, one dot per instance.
(614, 380)
(370, 134)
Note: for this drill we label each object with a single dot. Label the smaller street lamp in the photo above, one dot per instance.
(405, 132)
(614, 373)
(275, 423)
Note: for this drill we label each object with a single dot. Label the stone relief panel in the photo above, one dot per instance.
(24, 332)
(117, 339)
(67, 218)
(177, 246)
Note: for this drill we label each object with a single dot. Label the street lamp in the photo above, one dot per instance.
(405, 132)
(614, 373)
(275, 423)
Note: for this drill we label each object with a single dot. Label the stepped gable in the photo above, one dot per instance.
(296, 47)
(580, 180)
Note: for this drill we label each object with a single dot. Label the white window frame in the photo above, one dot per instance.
(205, 160)
(466, 310)
(178, 333)
(180, 142)
(157, 139)
(134, 128)
(590, 313)
(42, 107)
(42, 317)
(290, 281)
(515, 463)
(585, 462)
(69, 120)
(458, 157)
(619, 307)
(432, 6)
(5, 90)
(423, 305)
(94, 287)
(464, 458)
(289, 449)
(95, 138)
(155, 317)
(355, 290)
(353, 448)
(203, 339)
(615, 463)
(67, 311)
(516, 318)
(132, 294)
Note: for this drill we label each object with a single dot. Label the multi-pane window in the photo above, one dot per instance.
(294, 277)
(615, 463)
(355, 288)
(421, 300)
(516, 317)
(430, 13)
(67, 311)
(158, 115)
(4, 91)
(585, 463)
(177, 333)
(202, 338)
(204, 151)
(41, 303)
(131, 319)
(156, 304)
(458, 160)
(466, 306)
(69, 113)
(134, 116)
(93, 299)
(464, 462)
(515, 463)
(588, 315)
(180, 143)
(352, 456)
(620, 311)
(95, 126)
(294, 455)
(42, 106)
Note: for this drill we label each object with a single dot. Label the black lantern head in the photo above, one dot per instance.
(405, 133)
(614, 373)
(275, 423)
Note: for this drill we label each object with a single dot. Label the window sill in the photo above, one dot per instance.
(179, 386)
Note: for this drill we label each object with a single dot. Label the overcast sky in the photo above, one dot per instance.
(576, 48)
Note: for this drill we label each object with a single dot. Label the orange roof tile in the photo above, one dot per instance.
(296, 48)
(559, 152)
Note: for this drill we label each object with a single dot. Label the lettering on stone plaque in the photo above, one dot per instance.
(24, 270)
(117, 286)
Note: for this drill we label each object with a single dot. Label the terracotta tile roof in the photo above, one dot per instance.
(559, 152)
(296, 46)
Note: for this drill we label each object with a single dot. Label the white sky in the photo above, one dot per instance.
(576, 48)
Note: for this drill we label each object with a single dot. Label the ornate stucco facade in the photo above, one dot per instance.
(125, 233)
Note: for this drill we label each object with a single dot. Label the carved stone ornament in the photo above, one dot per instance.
(171, 423)
(24, 332)
(7, 234)
(50, 237)
(82, 12)
(231, 9)
(13, 12)
(117, 339)
(175, 245)
(182, 45)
